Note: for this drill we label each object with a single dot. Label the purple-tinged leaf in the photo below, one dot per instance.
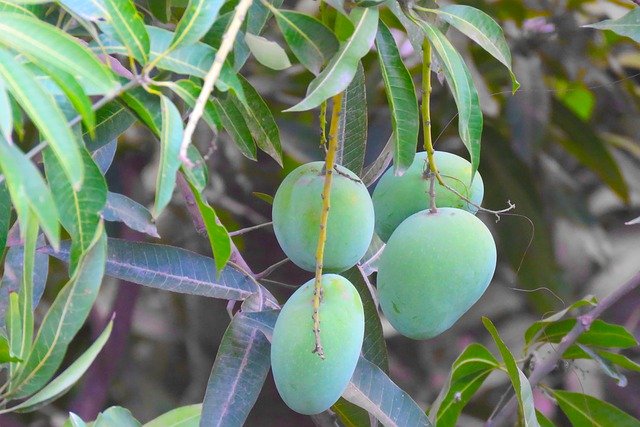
(135, 216)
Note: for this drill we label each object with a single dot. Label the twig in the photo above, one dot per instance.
(326, 205)
(582, 324)
(267, 271)
(228, 39)
(249, 229)
(192, 206)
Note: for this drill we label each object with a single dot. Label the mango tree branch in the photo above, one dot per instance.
(326, 205)
(583, 323)
(210, 79)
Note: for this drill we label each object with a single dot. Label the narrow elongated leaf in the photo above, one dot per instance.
(14, 329)
(122, 209)
(189, 90)
(309, 39)
(625, 26)
(518, 378)
(543, 421)
(372, 172)
(352, 124)
(44, 112)
(25, 296)
(63, 382)
(128, 27)
(9, 6)
(196, 21)
(608, 367)
(79, 210)
(91, 10)
(161, 9)
(237, 376)
(6, 113)
(463, 90)
(146, 106)
(371, 389)
(267, 52)
(235, 124)
(198, 175)
(111, 121)
(171, 269)
(104, 156)
(600, 333)
(5, 214)
(28, 190)
(482, 29)
(45, 42)
(63, 320)
(185, 416)
(401, 96)
(585, 410)
(343, 65)
(170, 140)
(468, 373)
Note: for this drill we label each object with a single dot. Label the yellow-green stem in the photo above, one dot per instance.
(426, 124)
(326, 205)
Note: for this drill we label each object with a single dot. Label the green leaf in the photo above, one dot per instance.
(352, 124)
(44, 42)
(468, 373)
(218, 236)
(44, 112)
(6, 113)
(343, 65)
(171, 269)
(260, 121)
(146, 107)
(196, 21)
(518, 378)
(29, 191)
(63, 382)
(5, 352)
(8, 6)
(184, 416)
(463, 90)
(170, 140)
(5, 214)
(79, 210)
(309, 39)
(91, 10)
(116, 416)
(74, 421)
(620, 360)
(62, 321)
(25, 295)
(600, 333)
(268, 53)
(235, 124)
(14, 330)
(128, 27)
(161, 9)
(401, 96)
(585, 410)
(583, 143)
(627, 26)
(112, 120)
(198, 175)
(135, 216)
(606, 365)
(351, 415)
(189, 90)
(482, 29)
(543, 421)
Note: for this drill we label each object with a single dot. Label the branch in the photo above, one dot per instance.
(228, 39)
(583, 323)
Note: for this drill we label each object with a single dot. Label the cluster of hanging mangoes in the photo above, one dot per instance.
(434, 267)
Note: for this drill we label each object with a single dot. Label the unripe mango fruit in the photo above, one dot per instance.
(395, 198)
(297, 208)
(307, 383)
(433, 269)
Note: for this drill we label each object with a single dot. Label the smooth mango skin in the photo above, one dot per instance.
(395, 198)
(433, 269)
(306, 383)
(297, 207)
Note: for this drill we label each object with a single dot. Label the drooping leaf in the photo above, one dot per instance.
(28, 190)
(9, 6)
(352, 124)
(5, 214)
(235, 124)
(520, 382)
(62, 321)
(626, 26)
(6, 113)
(25, 295)
(91, 10)
(170, 141)
(146, 107)
(44, 112)
(63, 382)
(111, 121)
(337, 75)
(463, 90)
(44, 42)
(371, 389)
(468, 373)
(171, 269)
(198, 174)
(585, 410)
(267, 52)
(184, 416)
(127, 26)
(189, 90)
(196, 21)
(103, 156)
(135, 216)
(608, 367)
(79, 210)
(401, 96)
(309, 39)
(600, 333)
(237, 376)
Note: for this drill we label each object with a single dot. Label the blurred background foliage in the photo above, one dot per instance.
(564, 149)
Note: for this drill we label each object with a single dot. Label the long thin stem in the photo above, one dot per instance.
(583, 323)
(426, 124)
(249, 229)
(228, 40)
(326, 205)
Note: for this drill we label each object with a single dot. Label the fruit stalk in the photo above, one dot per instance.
(431, 171)
(326, 205)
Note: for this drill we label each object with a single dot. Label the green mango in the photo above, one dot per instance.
(395, 198)
(433, 269)
(297, 208)
(307, 383)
